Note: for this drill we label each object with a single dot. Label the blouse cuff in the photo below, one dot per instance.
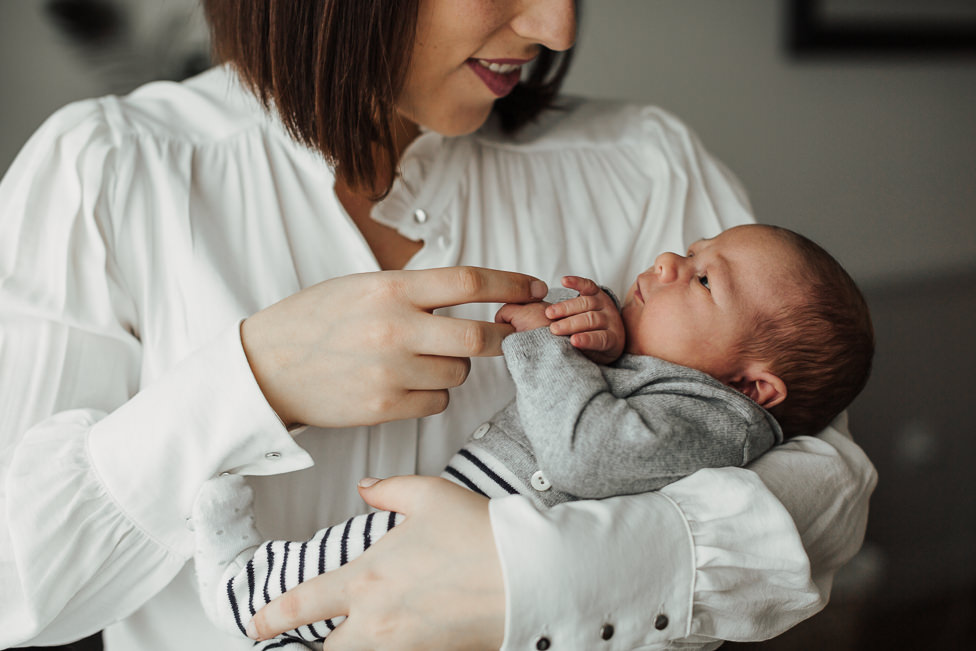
(752, 575)
(606, 575)
(205, 416)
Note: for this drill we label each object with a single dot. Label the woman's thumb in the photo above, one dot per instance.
(394, 493)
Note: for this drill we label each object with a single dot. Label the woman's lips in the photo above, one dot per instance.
(499, 75)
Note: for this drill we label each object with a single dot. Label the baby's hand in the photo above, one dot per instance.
(591, 320)
(527, 316)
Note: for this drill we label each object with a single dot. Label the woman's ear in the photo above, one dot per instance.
(764, 388)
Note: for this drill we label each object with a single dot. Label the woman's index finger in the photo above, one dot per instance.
(319, 598)
(430, 289)
(453, 337)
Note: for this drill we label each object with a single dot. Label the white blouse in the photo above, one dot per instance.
(136, 233)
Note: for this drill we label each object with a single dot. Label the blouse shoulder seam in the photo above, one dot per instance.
(122, 128)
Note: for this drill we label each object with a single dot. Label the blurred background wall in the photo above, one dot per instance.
(872, 155)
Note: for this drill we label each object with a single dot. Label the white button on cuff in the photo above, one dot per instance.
(481, 431)
(271, 456)
(540, 482)
(420, 216)
(189, 524)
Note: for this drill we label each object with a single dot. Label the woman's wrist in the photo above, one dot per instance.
(262, 367)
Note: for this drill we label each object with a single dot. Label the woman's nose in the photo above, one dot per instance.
(667, 266)
(551, 23)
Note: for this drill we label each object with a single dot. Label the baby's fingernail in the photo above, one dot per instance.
(366, 482)
(251, 630)
(539, 289)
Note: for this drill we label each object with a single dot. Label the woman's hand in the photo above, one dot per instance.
(366, 348)
(591, 321)
(432, 582)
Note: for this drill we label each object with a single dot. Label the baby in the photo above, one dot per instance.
(715, 356)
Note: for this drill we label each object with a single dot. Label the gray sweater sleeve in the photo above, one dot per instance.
(599, 431)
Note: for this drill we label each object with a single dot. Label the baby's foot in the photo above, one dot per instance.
(223, 523)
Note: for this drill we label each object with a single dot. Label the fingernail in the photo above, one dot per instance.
(539, 289)
(366, 482)
(251, 630)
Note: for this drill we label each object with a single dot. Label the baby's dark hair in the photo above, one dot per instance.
(820, 344)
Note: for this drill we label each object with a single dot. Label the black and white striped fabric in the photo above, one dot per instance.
(476, 469)
(279, 565)
(284, 644)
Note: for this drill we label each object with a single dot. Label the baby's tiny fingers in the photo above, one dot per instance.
(583, 322)
(506, 313)
(598, 340)
(584, 286)
(572, 306)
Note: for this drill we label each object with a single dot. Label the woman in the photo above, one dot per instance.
(138, 233)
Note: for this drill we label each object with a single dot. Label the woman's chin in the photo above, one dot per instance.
(461, 121)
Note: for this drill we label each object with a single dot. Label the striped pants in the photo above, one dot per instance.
(238, 572)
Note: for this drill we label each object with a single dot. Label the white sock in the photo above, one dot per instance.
(223, 523)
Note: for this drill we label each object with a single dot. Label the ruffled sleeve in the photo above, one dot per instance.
(98, 471)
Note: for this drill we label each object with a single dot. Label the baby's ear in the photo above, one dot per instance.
(764, 387)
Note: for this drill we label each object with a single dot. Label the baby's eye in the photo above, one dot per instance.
(704, 282)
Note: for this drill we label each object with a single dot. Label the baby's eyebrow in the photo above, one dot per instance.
(697, 243)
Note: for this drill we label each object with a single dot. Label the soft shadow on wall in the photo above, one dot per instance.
(129, 42)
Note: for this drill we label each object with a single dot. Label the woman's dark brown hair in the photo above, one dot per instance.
(333, 70)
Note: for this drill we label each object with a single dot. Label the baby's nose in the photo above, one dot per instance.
(667, 267)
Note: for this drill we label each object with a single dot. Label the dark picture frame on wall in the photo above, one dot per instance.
(869, 27)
